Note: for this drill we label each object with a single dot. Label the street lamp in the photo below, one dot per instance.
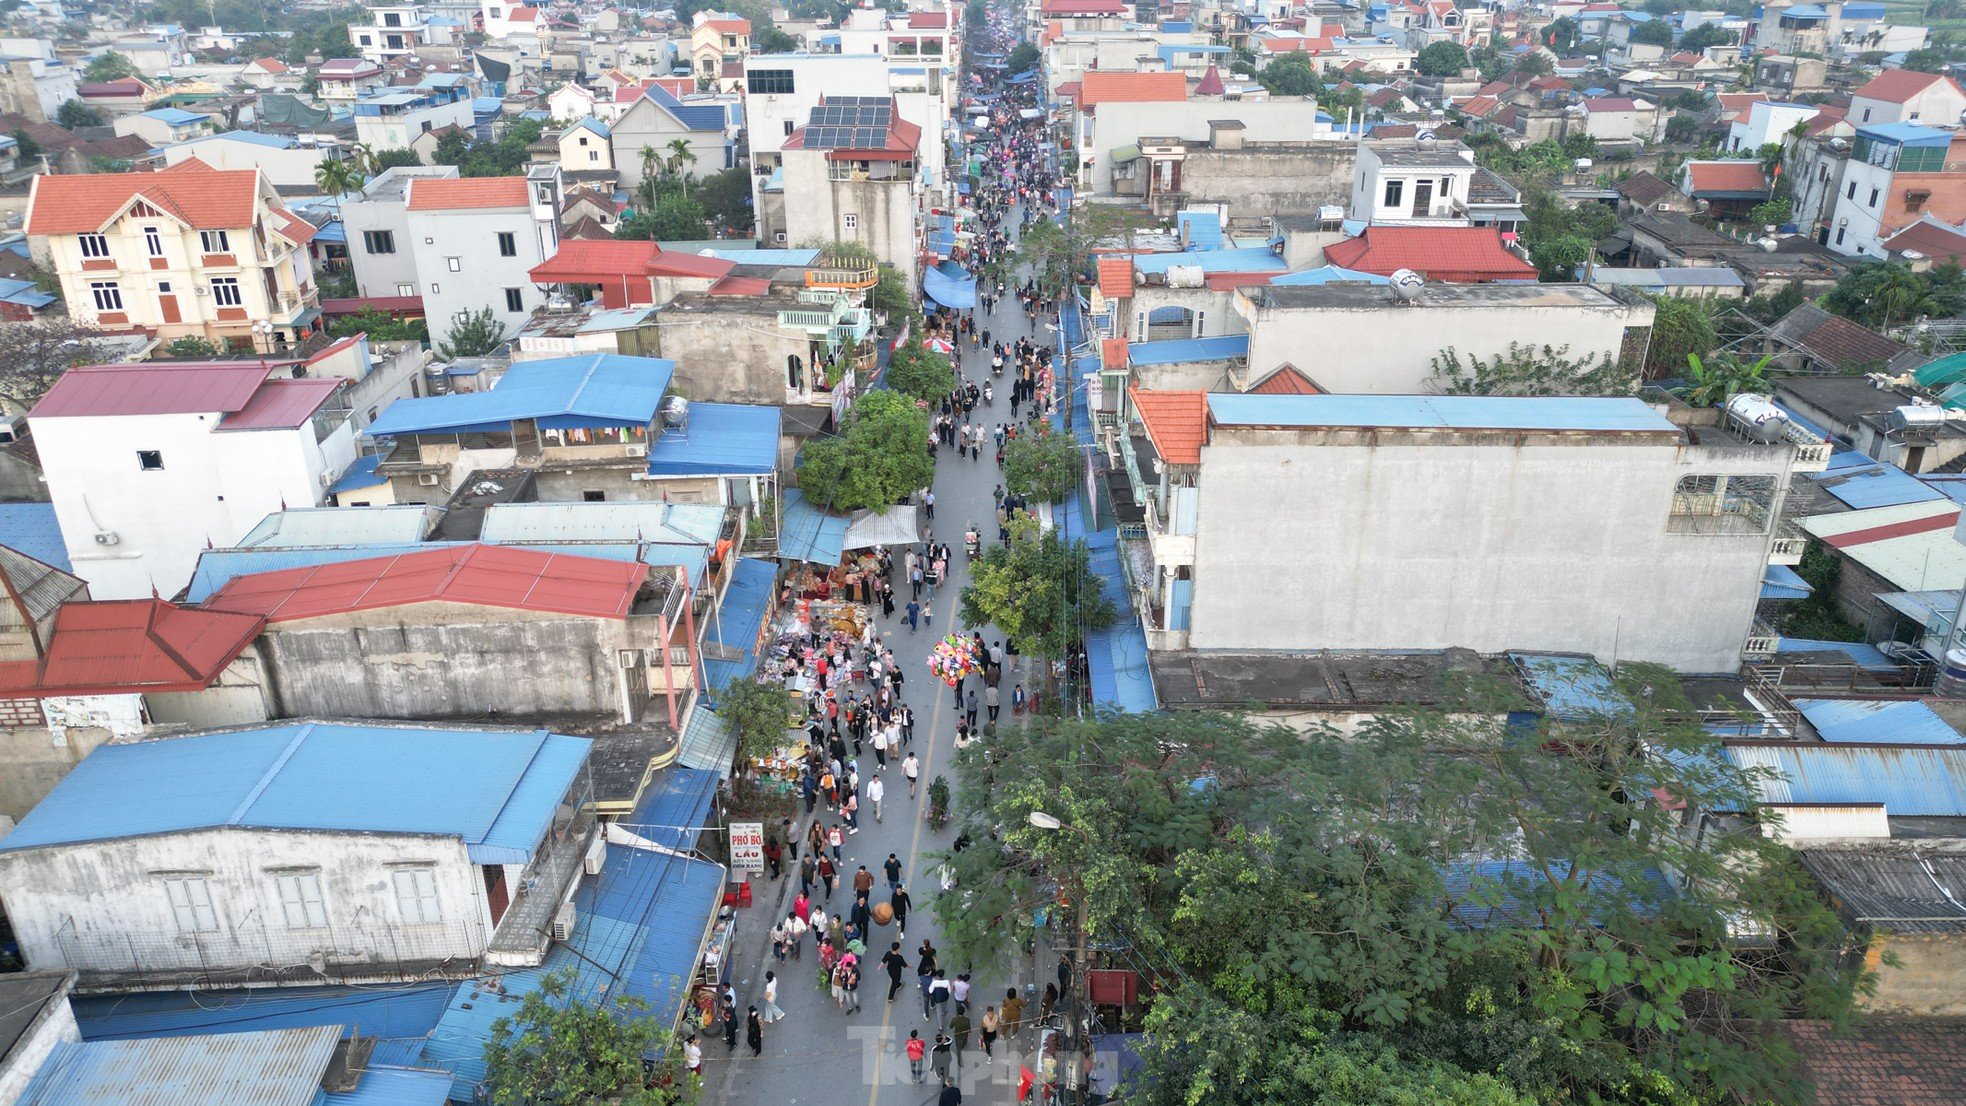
(1044, 821)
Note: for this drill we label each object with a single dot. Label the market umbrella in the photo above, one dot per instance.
(940, 345)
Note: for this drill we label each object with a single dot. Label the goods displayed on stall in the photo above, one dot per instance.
(953, 658)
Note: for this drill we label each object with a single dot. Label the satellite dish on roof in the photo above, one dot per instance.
(1407, 284)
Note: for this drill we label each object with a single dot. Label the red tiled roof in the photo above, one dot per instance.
(127, 86)
(1287, 381)
(680, 264)
(928, 21)
(1071, 90)
(1459, 255)
(432, 194)
(133, 645)
(1826, 116)
(1210, 84)
(1645, 187)
(191, 191)
(479, 575)
(1113, 353)
(1226, 282)
(1882, 1061)
(1895, 86)
(1115, 277)
(1726, 176)
(1099, 86)
(522, 15)
(282, 404)
(294, 228)
(152, 389)
(740, 286)
(1478, 107)
(1935, 240)
(268, 65)
(732, 26)
(1176, 421)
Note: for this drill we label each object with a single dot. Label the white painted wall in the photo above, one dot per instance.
(1495, 542)
(289, 168)
(481, 275)
(1119, 123)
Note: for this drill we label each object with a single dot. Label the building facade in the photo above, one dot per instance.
(475, 241)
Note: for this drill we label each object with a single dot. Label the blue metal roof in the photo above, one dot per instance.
(1910, 780)
(941, 231)
(1875, 721)
(537, 523)
(300, 527)
(175, 116)
(1862, 11)
(638, 932)
(394, 1012)
(739, 621)
(31, 528)
(1245, 259)
(809, 534)
(707, 742)
(1201, 229)
(589, 124)
(592, 390)
(395, 1086)
(217, 567)
(1326, 274)
(253, 138)
(1868, 657)
(499, 789)
(1572, 688)
(778, 258)
(279, 1067)
(1860, 482)
(1906, 134)
(1180, 351)
(1438, 412)
(722, 439)
(1116, 657)
(360, 475)
(675, 810)
(1783, 582)
(696, 117)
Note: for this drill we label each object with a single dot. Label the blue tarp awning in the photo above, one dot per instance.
(1783, 582)
(719, 439)
(1026, 77)
(950, 285)
(809, 534)
(941, 231)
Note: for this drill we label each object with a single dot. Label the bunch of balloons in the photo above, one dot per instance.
(953, 658)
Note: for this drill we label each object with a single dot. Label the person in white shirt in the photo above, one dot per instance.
(772, 1012)
(875, 789)
(911, 768)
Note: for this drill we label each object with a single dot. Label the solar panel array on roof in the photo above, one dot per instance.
(849, 122)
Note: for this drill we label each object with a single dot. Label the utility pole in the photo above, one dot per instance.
(1078, 1013)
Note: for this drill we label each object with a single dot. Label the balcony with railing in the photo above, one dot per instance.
(844, 277)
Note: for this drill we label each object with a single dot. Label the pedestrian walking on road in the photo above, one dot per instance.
(876, 789)
(897, 967)
(808, 870)
(990, 1026)
(836, 840)
(912, 769)
(959, 1037)
(941, 1057)
(917, 1050)
(991, 702)
(772, 1012)
(730, 1026)
(969, 708)
(898, 901)
(1013, 1014)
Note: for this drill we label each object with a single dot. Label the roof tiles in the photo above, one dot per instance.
(1101, 86)
(1463, 255)
(434, 194)
(1115, 277)
(135, 645)
(151, 389)
(191, 191)
(1896, 86)
(1176, 421)
(1740, 175)
(475, 575)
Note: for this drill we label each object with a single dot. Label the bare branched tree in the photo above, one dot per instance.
(34, 354)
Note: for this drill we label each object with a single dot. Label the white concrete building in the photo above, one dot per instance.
(1767, 121)
(149, 464)
(376, 222)
(1366, 339)
(345, 80)
(1408, 183)
(1903, 96)
(1369, 523)
(190, 250)
(283, 161)
(852, 174)
(1119, 110)
(657, 118)
(292, 852)
(390, 119)
(392, 31)
(782, 89)
(1895, 174)
(163, 126)
(474, 242)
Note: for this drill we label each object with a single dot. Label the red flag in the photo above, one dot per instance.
(1025, 1080)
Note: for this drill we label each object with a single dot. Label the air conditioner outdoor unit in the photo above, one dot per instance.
(107, 537)
(427, 479)
(627, 657)
(597, 852)
(638, 450)
(563, 922)
(327, 478)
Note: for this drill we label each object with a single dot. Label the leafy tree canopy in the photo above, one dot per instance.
(1022, 57)
(1532, 371)
(759, 713)
(1681, 328)
(380, 327)
(1038, 589)
(726, 199)
(674, 218)
(557, 1048)
(34, 354)
(473, 334)
(191, 347)
(1705, 35)
(879, 459)
(1883, 294)
(1442, 59)
(75, 113)
(399, 158)
(109, 66)
(1042, 465)
(1654, 33)
(1432, 886)
(920, 373)
(1290, 75)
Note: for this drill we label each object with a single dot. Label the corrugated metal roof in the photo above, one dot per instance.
(1176, 351)
(1248, 259)
(282, 404)
(572, 523)
(497, 790)
(510, 577)
(359, 476)
(602, 389)
(395, 1086)
(1572, 688)
(279, 1067)
(707, 742)
(1783, 582)
(1873, 484)
(1438, 412)
(1929, 609)
(721, 439)
(391, 1013)
(155, 389)
(1860, 654)
(1895, 887)
(810, 534)
(118, 646)
(638, 932)
(1887, 721)
(1910, 780)
(300, 527)
(739, 622)
(1909, 545)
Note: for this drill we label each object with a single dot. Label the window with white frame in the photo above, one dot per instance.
(214, 241)
(300, 900)
(94, 246)
(416, 896)
(1395, 190)
(191, 904)
(153, 242)
(850, 221)
(225, 292)
(406, 289)
(107, 296)
(456, 264)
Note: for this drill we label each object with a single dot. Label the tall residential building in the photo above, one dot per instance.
(475, 241)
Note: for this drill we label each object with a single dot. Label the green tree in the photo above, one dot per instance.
(1534, 63)
(398, 158)
(1657, 32)
(1681, 128)
(191, 347)
(75, 113)
(337, 178)
(28, 147)
(920, 373)
(1532, 371)
(1442, 59)
(1059, 254)
(892, 296)
(1039, 589)
(680, 158)
(34, 354)
(1712, 381)
(1023, 57)
(759, 713)
(108, 66)
(452, 148)
(379, 327)
(771, 40)
(879, 459)
(726, 199)
(1681, 328)
(473, 334)
(1042, 465)
(1883, 294)
(1772, 213)
(1290, 75)
(1705, 35)
(1561, 35)
(1927, 60)
(558, 1048)
(673, 219)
